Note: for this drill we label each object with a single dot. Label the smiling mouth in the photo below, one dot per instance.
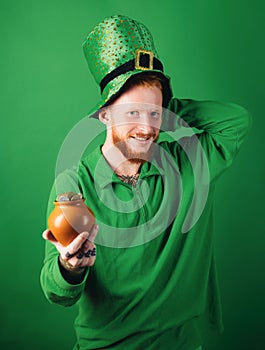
(142, 138)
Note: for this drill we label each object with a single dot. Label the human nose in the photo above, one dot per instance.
(147, 122)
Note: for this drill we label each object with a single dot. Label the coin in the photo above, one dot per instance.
(76, 197)
(69, 196)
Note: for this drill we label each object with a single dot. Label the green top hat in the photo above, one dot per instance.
(117, 49)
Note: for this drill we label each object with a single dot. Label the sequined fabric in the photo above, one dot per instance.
(112, 43)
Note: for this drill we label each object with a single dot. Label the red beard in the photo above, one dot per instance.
(131, 155)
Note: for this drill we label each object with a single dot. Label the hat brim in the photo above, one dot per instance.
(115, 87)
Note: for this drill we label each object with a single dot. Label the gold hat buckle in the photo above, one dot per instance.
(137, 59)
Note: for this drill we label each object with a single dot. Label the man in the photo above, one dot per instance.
(150, 183)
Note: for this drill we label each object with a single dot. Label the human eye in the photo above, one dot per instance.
(134, 114)
(155, 114)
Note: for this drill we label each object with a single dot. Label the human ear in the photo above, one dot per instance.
(103, 115)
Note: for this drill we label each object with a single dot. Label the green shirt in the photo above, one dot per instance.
(154, 284)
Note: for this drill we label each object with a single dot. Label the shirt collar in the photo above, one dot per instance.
(104, 175)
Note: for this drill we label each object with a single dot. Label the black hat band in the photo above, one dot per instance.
(144, 61)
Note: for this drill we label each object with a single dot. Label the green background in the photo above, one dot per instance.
(212, 50)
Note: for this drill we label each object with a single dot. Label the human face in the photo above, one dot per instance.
(134, 122)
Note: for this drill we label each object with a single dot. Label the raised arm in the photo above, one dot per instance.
(219, 127)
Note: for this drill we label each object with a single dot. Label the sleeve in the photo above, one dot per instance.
(56, 289)
(208, 130)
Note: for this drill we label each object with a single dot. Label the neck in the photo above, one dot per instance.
(117, 161)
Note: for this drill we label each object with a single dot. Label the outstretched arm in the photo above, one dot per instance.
(65, 269)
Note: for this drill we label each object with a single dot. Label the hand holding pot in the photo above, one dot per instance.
(72, 231)
(81, 252)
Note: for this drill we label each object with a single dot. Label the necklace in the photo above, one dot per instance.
(129, 179)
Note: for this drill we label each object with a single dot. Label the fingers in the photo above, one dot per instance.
(76, 244)
(89, 257)
(85, 256)
(80, 252)
(89, 248)
(93, 233)
(90, 252)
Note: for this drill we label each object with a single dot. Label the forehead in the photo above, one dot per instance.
(140, 95)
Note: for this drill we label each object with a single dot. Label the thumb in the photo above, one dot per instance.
(47, 234)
